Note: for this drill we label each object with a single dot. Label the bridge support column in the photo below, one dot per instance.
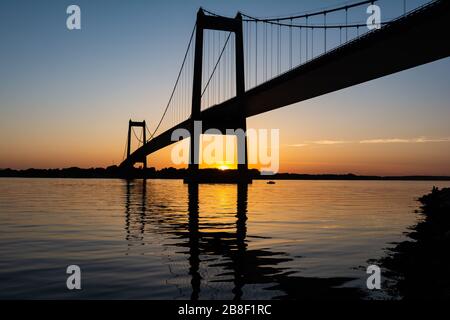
(142, 125)
(240, 91)
(196, 94)
(242, 151)
(129, 139)
(205, 22)
(144, 136)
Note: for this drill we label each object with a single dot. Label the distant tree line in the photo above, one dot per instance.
(174, 173)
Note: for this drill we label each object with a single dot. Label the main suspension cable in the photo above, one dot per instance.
(175, 86)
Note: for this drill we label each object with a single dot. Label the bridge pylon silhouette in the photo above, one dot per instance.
(142, 125)
(238, 119)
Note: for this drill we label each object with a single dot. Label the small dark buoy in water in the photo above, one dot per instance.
(270, 182)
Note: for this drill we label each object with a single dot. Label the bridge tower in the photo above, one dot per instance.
(142, 125)
(210, 22)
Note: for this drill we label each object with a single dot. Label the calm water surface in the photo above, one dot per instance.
(162, 239)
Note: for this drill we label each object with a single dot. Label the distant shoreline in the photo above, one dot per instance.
(113, 172)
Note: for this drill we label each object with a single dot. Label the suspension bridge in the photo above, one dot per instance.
(239, 67)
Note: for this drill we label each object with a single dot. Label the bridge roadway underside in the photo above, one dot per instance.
(418, 38)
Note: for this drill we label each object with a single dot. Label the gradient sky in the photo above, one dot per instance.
(66, 96)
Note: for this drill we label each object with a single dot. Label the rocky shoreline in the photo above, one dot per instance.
(419, 268)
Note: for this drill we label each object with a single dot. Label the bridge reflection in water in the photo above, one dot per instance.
(222, 243)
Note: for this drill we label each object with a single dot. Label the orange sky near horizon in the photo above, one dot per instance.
(371, 158)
